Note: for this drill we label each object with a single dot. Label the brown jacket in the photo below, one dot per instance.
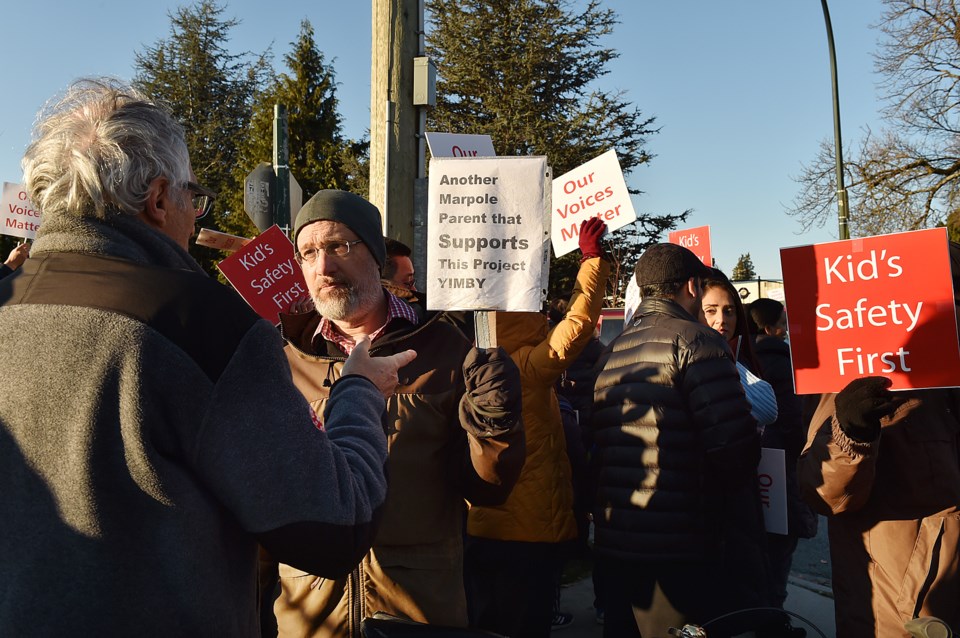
(442, 449)
(894, 513)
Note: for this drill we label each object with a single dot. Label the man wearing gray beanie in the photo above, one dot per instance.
(453, 425)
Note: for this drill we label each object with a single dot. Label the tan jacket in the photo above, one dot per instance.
(894, 513)
(540, 508)
(440, 453)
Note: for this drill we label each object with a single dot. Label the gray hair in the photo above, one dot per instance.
(96, 150)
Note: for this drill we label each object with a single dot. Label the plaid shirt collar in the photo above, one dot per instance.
(396, 309)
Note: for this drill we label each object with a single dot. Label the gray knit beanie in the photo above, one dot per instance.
(353, 211)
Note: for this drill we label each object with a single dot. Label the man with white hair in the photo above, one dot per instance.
(139, 436)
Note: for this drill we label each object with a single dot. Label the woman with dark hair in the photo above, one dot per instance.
(768, 324)
(723, 311)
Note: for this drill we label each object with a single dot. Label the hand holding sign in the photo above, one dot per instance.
(17, 256)
(861, 405)
(592, 231)
(382, 371)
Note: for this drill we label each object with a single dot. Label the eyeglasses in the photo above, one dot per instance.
(330, 249)
(202, 198)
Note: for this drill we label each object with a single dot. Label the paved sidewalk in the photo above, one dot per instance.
(809, 600)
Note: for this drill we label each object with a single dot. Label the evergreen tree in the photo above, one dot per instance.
(744, 269)
(210, 92)
(320, 157)
(523, 72)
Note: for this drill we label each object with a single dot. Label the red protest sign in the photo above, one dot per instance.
(696, 240)
(873, 306)
(265, 273)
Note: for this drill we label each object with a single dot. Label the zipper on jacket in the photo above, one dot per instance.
(356, 598)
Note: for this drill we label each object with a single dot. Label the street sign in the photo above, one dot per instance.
(296, 198)
(258, 196)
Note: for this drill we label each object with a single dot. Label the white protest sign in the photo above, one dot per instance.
(18, 217)
(594, 189)
(772, 477)
(486, 233)
(457, 145)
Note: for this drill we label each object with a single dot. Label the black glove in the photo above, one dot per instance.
(861, 405)
(591, 233)
(493, 398)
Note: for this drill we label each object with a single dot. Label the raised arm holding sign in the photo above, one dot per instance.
(15, 259)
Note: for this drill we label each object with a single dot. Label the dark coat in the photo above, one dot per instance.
(788, 432)
(678, 454)
(454, 435)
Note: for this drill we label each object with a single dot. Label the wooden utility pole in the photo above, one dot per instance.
(393, 118)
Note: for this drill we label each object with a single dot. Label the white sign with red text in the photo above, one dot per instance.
(772, 477)
(460, 145)
(18, 217)
(696, 240)
(593, 189)
(266, 274)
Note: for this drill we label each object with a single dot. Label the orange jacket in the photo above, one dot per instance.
(540, 507)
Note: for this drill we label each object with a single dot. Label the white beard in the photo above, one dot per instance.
(355, 298)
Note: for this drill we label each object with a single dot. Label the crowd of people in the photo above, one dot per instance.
(177, 466)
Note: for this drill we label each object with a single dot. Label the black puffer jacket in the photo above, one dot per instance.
(678, 447)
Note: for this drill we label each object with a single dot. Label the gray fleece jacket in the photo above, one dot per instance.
(151, 436)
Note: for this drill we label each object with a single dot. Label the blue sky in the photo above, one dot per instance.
(740, 89)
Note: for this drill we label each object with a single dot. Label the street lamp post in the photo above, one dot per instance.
(842, 203)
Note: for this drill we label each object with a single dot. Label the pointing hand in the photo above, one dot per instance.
(382, 371)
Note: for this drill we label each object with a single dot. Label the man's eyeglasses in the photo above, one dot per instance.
(202, 198)
(330, 249)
